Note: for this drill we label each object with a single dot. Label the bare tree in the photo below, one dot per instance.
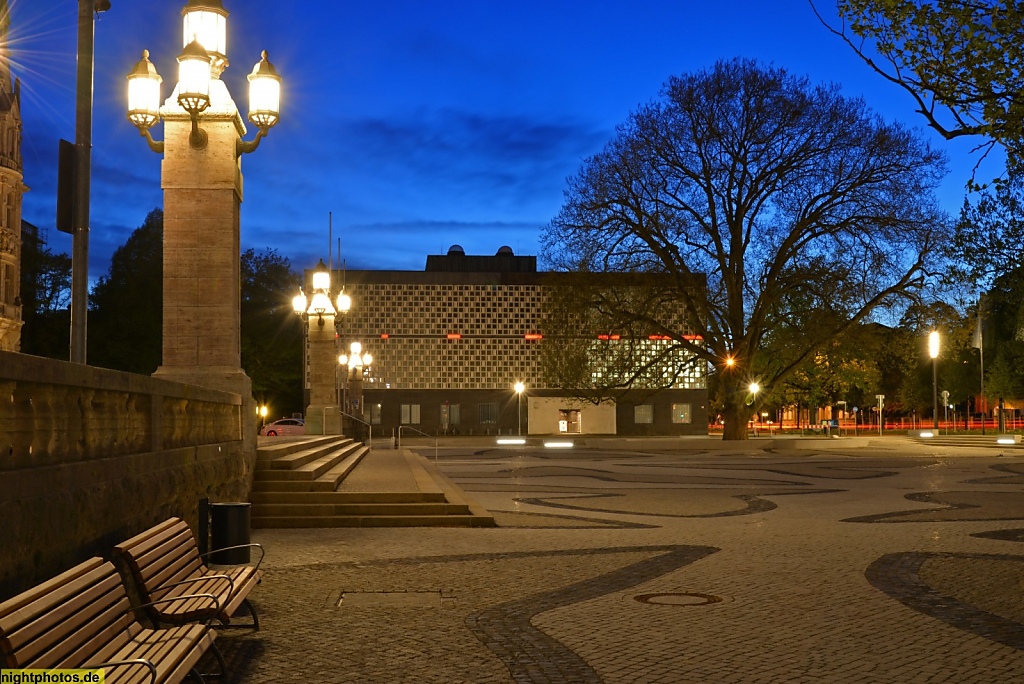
(787, 198)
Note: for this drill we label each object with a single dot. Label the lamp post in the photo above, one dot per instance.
(933, 351)
(357, 362)
(318, 314)
(202, 182)
(519, 387)
(754, 388)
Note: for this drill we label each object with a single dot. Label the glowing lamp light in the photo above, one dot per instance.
(299, 303)
(519, 387)
(205, 21)
(321, 277)
(344, 303)
(933, 344)
(558, 445)
(516, 441)
(754, 388)
(264, 94)
(194, 78)
(144, 93)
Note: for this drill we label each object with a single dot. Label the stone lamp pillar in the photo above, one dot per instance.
(201, 175)
(322, 414)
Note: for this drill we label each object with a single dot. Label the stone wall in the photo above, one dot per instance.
(89, 457)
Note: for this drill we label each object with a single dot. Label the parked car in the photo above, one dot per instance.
(285, 426)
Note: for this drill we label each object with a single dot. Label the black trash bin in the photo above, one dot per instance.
(229, 526)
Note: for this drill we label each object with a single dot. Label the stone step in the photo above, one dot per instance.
(271, 448)
(315, 510)
(330, 480)
(297, 459)
(316, 468)
(373, 521)
(347, 497)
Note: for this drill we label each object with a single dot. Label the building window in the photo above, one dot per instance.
(410, 414)
(681, 413)
(375, 414)
(488, 414)
(643, 413)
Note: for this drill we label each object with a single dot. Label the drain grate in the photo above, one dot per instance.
(679, 599)
(393, 599)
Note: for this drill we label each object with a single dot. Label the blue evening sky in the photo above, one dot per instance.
(418, 125)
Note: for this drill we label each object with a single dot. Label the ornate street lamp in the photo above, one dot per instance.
(200, 64)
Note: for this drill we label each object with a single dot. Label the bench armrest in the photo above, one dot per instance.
(240, 546)
(209, 620)
(124, 663)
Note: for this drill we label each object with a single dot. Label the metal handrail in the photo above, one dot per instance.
(398, 444)
(369, 428)
(323, 419)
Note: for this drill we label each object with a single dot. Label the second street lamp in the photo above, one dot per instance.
(933, 351)
(519, 387)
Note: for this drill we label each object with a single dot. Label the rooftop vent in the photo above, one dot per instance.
(456, 249)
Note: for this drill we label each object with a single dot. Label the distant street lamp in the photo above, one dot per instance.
(320, 348)
(519, 387)
(263, 415)
(933, 351)
(358, 362)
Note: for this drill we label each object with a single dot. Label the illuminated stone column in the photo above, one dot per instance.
(322, 416)
(202, 201)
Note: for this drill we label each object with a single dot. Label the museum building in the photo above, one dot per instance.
(450, 345)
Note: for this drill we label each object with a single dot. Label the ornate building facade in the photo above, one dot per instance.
(12, 187)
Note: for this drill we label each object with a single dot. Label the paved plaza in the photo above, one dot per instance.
(893, 562)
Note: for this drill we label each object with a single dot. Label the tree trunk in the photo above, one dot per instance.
(735, 414)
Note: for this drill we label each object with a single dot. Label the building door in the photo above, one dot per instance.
(569, 421)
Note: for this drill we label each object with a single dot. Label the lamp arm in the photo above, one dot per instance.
(155, 145)
(246, 146)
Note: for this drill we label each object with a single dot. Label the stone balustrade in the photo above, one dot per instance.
(88, 456)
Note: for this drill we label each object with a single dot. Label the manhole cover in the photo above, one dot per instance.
(391, 599)
(678, 599)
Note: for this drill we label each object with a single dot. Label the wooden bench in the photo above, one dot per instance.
(165, 563)
(82, 619)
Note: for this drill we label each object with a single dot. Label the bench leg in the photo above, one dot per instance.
(220, 661)
(252, 611)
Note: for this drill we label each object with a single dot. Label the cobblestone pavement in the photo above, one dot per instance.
(882, 564)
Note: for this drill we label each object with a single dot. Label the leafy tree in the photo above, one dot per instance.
(271, 333)
(45, 296)
(961, 60)
(126, 306)
(777, 193)
(989, 236)
(1004, 341)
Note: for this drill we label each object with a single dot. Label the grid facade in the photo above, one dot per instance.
(429, 331)
(446, 335)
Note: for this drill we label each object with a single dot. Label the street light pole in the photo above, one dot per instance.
(933, 351)
(519, 387)
(87, 9)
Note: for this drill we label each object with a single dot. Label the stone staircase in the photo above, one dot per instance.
(296, 484)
